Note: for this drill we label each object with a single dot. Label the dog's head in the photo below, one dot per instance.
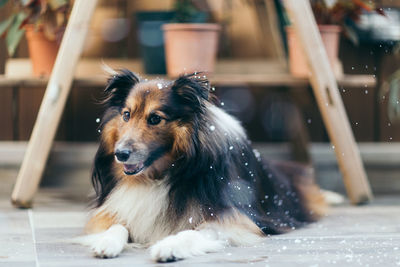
(149, 123)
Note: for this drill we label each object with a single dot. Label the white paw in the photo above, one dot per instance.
(107, 247)
(332, 198)
(163, 252)
(183, 245)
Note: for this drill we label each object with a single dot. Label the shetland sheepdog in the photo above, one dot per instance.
(176, 173)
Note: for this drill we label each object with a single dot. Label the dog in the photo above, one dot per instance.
(174, 172)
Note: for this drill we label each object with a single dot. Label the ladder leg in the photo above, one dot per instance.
(330, 102)
(53, 104)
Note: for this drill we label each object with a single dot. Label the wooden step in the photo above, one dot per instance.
(263, 73)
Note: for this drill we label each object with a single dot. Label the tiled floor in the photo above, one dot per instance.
(349, 236)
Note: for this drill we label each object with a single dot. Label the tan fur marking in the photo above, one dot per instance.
(315, 201)
(181, 142)
(99, 222)
(110, 134)
(238, 219)
(236, 228)
(146, 93)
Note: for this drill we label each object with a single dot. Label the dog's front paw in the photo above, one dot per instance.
(107, 247)
(166, 250)
(183, 245)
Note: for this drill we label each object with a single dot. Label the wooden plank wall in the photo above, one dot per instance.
(18, 113)
(6, 114)
(370, 110)
(28, 103)
(85, 107)
(19, 107)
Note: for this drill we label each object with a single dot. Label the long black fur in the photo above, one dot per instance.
(221, 175)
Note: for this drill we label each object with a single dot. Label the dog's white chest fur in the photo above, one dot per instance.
(142, 209)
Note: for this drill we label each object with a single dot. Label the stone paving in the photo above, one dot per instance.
(349, 236)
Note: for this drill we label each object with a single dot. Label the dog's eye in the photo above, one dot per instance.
(154, 119)
(126, 116)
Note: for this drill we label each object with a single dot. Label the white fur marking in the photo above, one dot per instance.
(111, 242)
(186, 244)
(107, 244)
(142, 209)
(332, 198)
(226, 122)
(107, 69)
(209, 237)
(235, 235)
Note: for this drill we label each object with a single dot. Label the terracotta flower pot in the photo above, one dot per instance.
(297, 62)
(190, 47)
(330, 35)
(42, 51)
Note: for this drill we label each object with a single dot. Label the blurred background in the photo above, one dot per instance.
(254, 74)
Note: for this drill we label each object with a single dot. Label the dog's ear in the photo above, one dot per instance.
(118, 87)
(191, 90)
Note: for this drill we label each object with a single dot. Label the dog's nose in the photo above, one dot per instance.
(122, 155)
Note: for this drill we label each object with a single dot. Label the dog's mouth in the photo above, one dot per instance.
(132, 169)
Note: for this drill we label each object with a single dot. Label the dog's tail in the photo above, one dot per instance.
(302, 178)
(287, 197)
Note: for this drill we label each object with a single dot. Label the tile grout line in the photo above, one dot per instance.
(30, 214)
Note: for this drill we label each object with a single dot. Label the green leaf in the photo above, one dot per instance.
(5, 24)
(351, 34)
(15, 33)
(13, 41)
(3, 2)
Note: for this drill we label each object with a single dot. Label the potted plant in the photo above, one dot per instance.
(190, 44)
(43, 22)
(330, 17)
